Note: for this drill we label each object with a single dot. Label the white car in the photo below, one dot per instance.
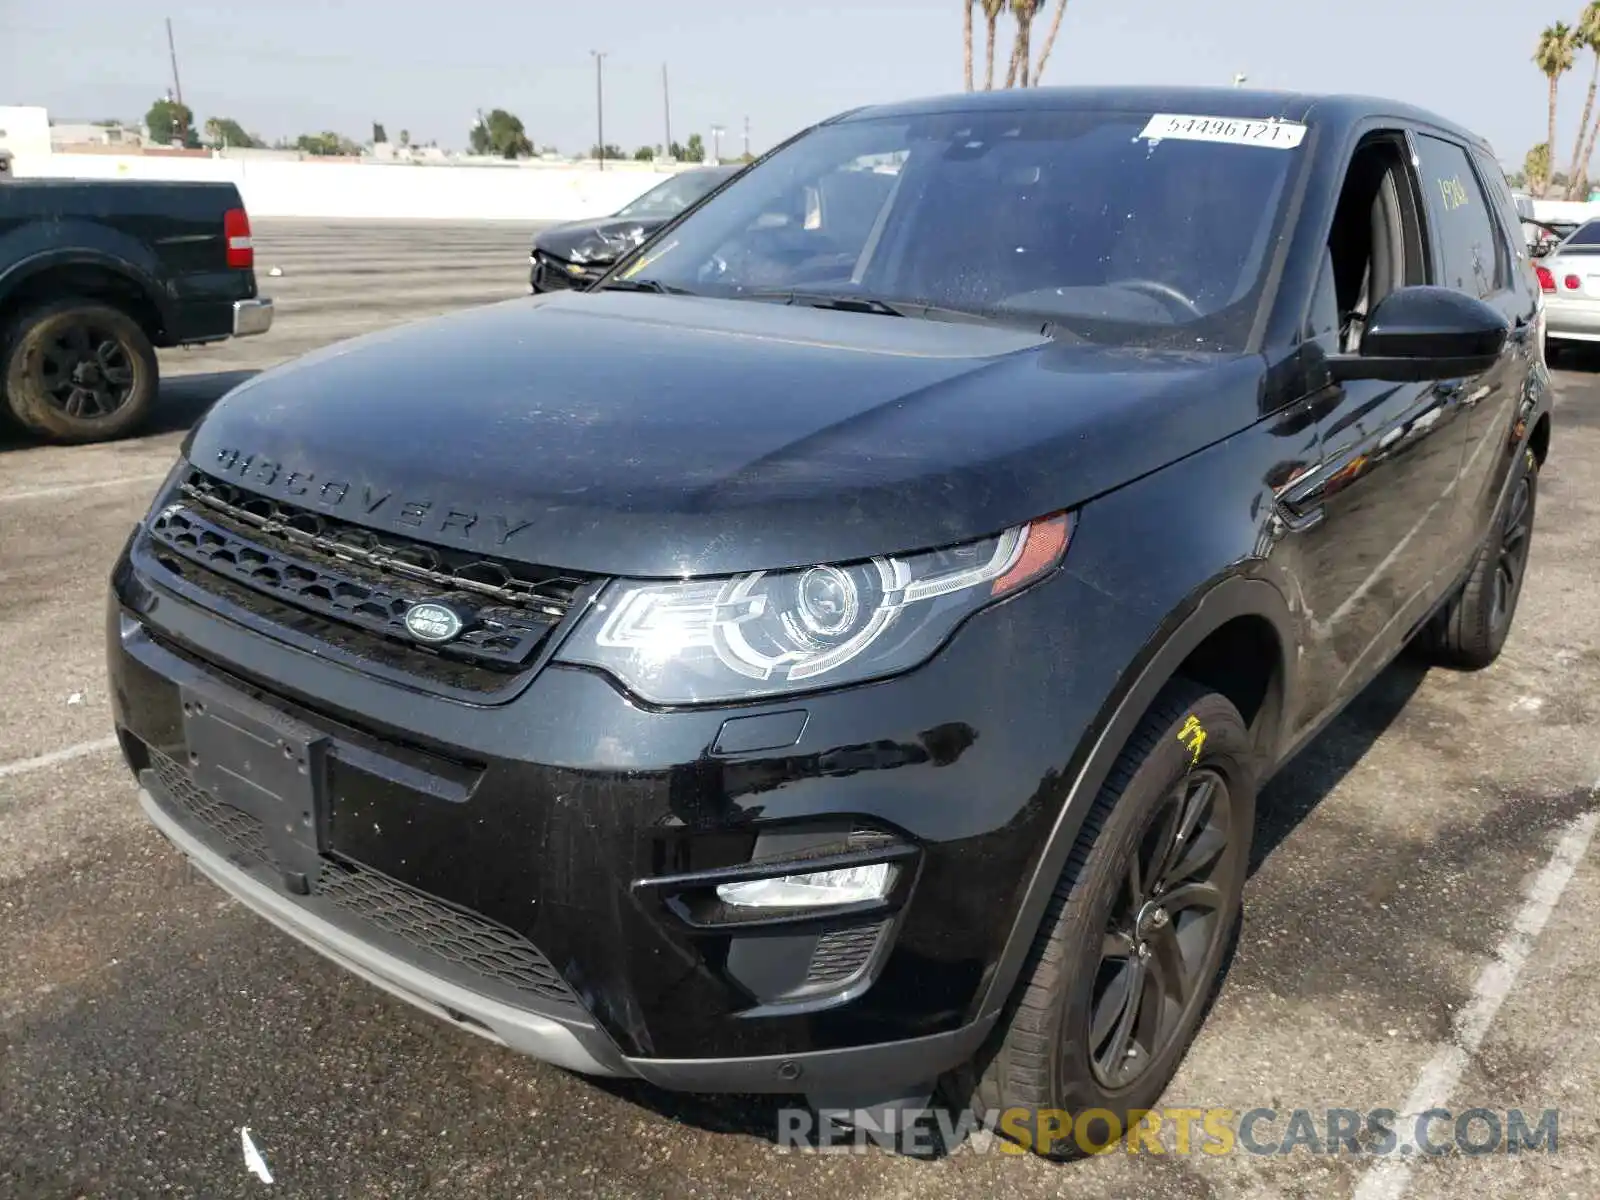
(1569, 276)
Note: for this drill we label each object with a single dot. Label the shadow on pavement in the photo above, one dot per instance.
(1302, 783)
(183, 400)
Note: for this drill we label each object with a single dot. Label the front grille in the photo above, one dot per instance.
(246, 839)
(459, 937)
(553, 275)
(284, 554)
(841, 953)
(471, 948)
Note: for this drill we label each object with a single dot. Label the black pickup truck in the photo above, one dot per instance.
(95, 275)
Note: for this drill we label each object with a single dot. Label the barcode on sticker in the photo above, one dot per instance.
(1238, 131)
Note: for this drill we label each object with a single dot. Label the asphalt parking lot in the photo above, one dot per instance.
(1419, 929)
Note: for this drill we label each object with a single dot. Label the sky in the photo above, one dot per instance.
(286, 67)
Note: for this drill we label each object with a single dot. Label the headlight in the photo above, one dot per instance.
(769, 632)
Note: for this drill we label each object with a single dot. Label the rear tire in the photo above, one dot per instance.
(1471, 630)
(1067, 1043)
(78, 370)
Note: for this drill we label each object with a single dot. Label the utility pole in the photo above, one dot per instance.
(716, 143)
(600, 105)
(747, 137)
(172, 50)
(666, 108)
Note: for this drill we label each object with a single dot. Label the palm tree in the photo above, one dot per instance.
(1553, 57)
(1586, 37)
(1021, 51)
(1050, 40)
(1536, 168)
(966, 39)
(991, 15)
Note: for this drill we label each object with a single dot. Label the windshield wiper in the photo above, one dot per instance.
(845, 303)
(642, 285)
(889, 308)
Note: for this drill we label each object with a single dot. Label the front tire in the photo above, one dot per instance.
(1124, 965)
(78, 370)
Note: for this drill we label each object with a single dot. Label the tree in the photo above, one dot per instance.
(966, 41)
(225, 131)
(695, 151)
(500, 133)
(379, 133)
(171, 122)
(991, 16)
(645, 154)
(1553, 57)
(405, 137)
(1536, 168)
(1586, 37)
(326, 144)
(1049, 41)
(1024, 11)
(609, 150)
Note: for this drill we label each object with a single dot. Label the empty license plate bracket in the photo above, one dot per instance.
(266, 764)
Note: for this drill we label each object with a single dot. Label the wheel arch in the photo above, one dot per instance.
(92, 275)
(1235, 639)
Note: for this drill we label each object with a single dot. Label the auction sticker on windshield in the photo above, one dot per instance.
(1277, 135)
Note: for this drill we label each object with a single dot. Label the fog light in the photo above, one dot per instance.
(851, 885)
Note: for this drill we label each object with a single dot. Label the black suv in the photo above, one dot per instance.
(839, 655)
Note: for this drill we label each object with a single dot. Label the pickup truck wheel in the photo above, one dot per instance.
(79, 371)
(1124, 965)
(1469, 633)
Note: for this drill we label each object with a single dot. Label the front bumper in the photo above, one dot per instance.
(568, 826)
(251, 317)
(521, 1030)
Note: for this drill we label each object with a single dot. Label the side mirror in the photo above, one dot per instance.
(1426, 333)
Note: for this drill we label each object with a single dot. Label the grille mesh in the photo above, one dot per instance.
(840, 953)
(320, 564)
(429, 927)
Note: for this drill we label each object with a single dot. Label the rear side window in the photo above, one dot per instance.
(1472, 256)
(1585, 235)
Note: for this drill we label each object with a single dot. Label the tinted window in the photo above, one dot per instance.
(1070, 217)
(676, 194)
(1586, 235)
(1473, 257)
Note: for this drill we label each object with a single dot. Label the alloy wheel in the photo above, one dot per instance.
(1163, 926)
(1515, 540)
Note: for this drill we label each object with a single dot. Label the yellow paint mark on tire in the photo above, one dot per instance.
(1193, 735)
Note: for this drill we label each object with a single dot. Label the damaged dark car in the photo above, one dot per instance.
(575, 254)
(839, 653)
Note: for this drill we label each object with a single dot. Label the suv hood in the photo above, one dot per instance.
(626, 433)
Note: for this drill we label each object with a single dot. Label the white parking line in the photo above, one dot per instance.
(21, 765)
(1389, 1177)
(68, 489)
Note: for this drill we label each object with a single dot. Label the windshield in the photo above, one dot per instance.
(1069, 218)
(676, 194)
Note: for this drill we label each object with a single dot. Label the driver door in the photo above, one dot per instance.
(1372, 521)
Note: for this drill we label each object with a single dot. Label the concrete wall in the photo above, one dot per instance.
(368, 190)
(1566, 210)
